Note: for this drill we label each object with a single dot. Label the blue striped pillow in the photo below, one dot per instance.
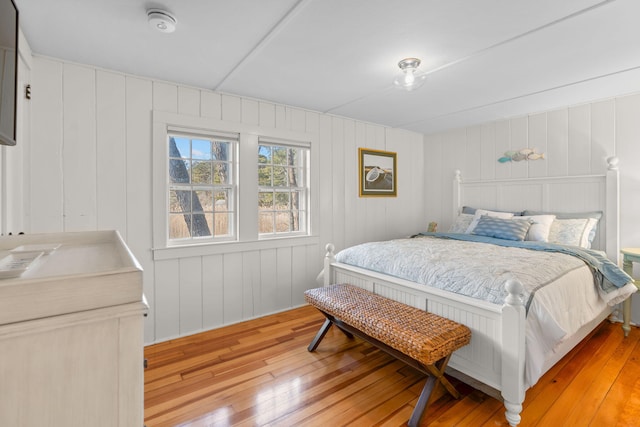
(500, 228)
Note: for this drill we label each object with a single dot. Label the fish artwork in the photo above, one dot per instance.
(535, 156)
(520, 155)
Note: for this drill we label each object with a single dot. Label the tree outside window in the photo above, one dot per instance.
(201, 188)
(282, 189)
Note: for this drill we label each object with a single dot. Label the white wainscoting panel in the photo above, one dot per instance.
(538, 142)
(46, 201)
(79, 148)
(111, 149)
(138, 106)
(579, 141)
(557, 155)
(191, 307)
(232, 287)
(212, 292)
(603, 139)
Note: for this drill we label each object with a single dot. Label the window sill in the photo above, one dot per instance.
(186, 251)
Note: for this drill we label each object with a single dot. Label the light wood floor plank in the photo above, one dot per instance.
(595, 394)
(623, 395)
(553, 384)
(259, 373)
(582, 381)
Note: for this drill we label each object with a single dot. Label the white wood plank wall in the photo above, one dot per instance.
(86, 164)
(90, 167)
(576, 140)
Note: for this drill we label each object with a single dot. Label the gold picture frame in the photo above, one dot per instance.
(377, 173)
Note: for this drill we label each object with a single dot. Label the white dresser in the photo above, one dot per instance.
(71, 332)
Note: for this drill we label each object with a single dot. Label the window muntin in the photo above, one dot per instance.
(282, 189)
(201, 188)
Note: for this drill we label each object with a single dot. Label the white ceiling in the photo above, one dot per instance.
(485, 59)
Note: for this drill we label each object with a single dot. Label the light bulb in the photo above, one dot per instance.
(407, 78)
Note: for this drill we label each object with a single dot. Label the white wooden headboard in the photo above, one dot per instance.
(584, 193)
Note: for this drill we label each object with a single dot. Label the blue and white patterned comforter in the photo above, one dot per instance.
(467, 265)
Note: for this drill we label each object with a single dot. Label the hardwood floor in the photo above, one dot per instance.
(260, 373)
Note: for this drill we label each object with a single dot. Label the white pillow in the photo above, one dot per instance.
(572, 232)
(462, 223)
(540, 227)
(480, 212)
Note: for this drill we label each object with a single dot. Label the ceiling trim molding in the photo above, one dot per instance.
(520, 36)
(295, 10)
(514, 98)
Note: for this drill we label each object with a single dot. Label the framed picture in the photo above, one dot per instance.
(377, 170)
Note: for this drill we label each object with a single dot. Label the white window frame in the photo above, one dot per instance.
(232, 187)
(247, 236)
(303, 189)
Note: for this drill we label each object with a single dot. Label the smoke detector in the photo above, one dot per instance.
(161, 20)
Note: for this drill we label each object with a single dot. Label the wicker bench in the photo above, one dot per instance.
(423, 340)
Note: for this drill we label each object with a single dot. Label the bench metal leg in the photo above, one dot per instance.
(345, 332)
(437, 370)
(339, 324)
(320, 335)
(330, 320)
(436, 375)
(423, 401)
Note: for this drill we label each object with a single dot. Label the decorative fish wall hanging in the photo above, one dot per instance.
(520, 155)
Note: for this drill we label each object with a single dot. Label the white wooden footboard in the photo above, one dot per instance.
(495, 357)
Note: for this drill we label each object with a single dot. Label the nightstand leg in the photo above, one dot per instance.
(626, 316)
(627, 266)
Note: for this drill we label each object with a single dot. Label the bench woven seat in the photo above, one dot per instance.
(423, 336)
(421, 339)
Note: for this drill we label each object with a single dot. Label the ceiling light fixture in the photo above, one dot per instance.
(161, 20)
(408, 79)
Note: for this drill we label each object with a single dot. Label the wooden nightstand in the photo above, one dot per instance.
(629, 256)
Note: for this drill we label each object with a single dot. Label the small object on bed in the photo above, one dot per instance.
(421, 339)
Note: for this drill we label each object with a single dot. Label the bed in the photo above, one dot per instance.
(518, 332)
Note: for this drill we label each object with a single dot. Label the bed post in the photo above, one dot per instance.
(513, 351)
(613, 210)
(457, 180)
(329, 258)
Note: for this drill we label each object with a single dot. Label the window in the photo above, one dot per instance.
(225, 187)
(282, 188)
(202, 189)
